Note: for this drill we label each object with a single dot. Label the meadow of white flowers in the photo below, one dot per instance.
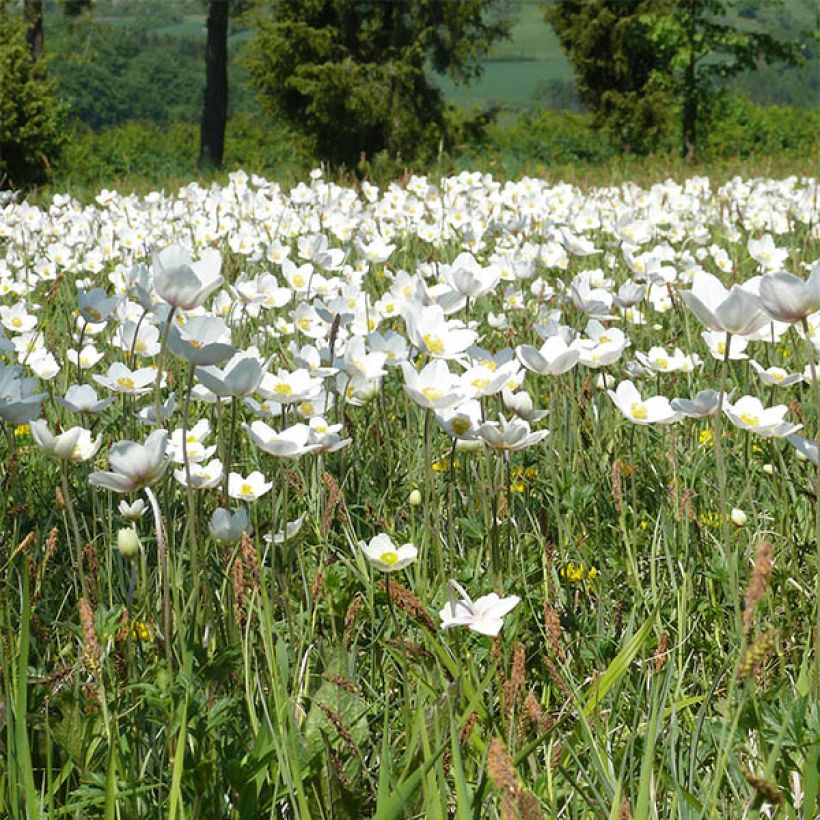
(468, 404)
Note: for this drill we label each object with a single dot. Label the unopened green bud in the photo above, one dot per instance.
(128, 543)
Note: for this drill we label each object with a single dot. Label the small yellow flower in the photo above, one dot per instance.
(21, 430)
(140, 631)
(578, 573)
(705, 437)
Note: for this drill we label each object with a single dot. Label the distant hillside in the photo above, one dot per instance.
(143, 59)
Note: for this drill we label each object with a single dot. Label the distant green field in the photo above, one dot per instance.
(516, 66)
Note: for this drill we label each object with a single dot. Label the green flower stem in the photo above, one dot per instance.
(164, 564)
(72, 517)
(720, 464)
(816, 389)
(160, 363)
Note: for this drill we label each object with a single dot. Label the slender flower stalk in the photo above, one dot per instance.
(162, 554)
(816, 389)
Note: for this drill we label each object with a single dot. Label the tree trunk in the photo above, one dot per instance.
(690, 93)
(33, 15)
(215, 105)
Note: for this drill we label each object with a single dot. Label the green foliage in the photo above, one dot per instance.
(144, 151)
(640, 64)
(549, 138)
(617, 67)
(353, 73)
(741, 128)
(31, 132)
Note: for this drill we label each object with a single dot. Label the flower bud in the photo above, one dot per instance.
(128, 543)
(738, 517)
(414, 499)
(768, 469)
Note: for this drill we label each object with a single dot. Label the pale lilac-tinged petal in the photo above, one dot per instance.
(701, 310)
(116, 482)
(787, 297)
(491, 606)
(65, 443)
(805, 447)
(487, 626)
(41, 434)
(741, 312)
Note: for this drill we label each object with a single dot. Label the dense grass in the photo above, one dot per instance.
(656, 666)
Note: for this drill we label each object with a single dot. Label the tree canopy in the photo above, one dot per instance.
(353, 73)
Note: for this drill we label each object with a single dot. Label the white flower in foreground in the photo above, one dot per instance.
(385, 556)
(292, 442)
(431, 333)
(704, 404)
(510, 435)
(748, 413)
(122, 379)
(293, 528)
(788, 297)
(133, 465)
(485, 615)
(239, 377)
(805, 448)
(716, 342)
(133, 512)
(553, 358)
(183, 283)
(226, 527)
(655, 410)
(775, 376)
(461, 421)
(75, 444)
(434, 386)
(248, 488)
(736, 311)
(203, 476)
(766, 253)
(82, 398)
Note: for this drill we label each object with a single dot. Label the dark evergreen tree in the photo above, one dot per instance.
(353, 74)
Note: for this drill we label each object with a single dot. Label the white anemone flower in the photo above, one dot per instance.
(433, 387)
(121, 379)
(789, 298)
(133, 466)
(553, 358)
(654, 410)
(74, 444)
(704, 404)
(183, 283)
(226, 526)
(716, 342)
(248, 488)
(292, 442)
(510, 435)
(485, 615)
(775, 376)
(203, 476)
(737, 311)
(385, 556)
(748, 413)
(82, 398)
(431, 333)
(239, 377)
